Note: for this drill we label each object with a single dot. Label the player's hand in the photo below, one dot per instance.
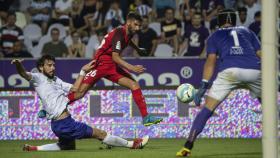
(138, 68)
(200, 93)
(89, 66)
(16, 61)
(142, 51)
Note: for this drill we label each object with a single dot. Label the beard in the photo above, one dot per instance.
(50, 76)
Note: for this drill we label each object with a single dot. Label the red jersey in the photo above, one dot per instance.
(114, 41)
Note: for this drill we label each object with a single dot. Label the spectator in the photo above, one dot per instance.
(256, 25)
(196, 5)
(18, 52)
(77, 48)
(55, 47)
(230, 4)
(114, 16)
(98, 20)
(62, 11)
(4, 8)
(89, 8)
(171, 30)
(143, 9)
(40, 13)
(186, 11)
(9, 34)
(210, 8)
(242, 17)
(147, 38)
(252, 7)
(195, 37)
(76, 21)
(214, 24)
(161, 5)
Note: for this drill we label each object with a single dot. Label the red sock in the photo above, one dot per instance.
(71, 97)
(33, 148)
(140, 101)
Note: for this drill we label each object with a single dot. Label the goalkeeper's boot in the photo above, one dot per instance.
(139, 143)
(151, 120)
(184, 152)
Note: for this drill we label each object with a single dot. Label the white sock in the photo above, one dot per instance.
(117, 141)
(48, 147)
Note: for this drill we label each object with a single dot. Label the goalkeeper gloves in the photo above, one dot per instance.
(200, 92)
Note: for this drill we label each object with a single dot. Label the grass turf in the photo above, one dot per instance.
(156, 148)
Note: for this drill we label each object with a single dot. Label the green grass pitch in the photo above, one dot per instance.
(156, 148)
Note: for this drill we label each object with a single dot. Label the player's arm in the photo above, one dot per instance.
(116, 50)
(20, 69)
(139, 50)
(135, 68)
(209, 66)
(85, 69)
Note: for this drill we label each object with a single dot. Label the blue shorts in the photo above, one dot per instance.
(69, 129)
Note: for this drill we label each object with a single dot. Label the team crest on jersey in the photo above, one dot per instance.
(118, 45)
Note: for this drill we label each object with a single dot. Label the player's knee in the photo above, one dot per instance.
(134, 85)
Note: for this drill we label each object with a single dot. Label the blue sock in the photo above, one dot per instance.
(198, 126)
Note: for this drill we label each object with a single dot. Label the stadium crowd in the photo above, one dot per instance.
(75, 28)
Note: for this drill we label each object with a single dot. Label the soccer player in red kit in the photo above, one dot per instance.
(110, 65)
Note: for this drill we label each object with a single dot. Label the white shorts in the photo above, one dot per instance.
(234, 78)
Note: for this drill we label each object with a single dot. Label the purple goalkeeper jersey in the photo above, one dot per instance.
(236, 47)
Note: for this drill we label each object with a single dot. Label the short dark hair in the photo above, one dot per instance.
(11, 13)
(242, 9)
(257, 14)
(54, 29)
(133, 16)
(40, 62)
(169, 8)
(227, 16)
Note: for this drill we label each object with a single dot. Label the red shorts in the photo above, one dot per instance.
(110, 71)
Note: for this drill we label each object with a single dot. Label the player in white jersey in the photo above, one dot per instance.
(237, 51)
(53, 93)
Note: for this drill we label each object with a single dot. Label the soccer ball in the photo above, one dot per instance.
(185, 92)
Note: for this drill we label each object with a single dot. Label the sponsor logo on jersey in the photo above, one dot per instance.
(118, 45)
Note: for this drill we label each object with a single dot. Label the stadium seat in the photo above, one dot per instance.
(163, 50)
(36, 51)
(92, 46)
(32, 32)
(21, 19)
(156, 27)
(28, 43)
(61, 29)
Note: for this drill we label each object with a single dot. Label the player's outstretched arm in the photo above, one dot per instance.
(139, 50)
(85, 69)
(20, 69)
(209, 66)
(135, 68)
(208, 71)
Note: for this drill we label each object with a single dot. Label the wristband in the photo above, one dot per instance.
(82, 73)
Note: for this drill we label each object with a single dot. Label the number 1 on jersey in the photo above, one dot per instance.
(233, 33)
